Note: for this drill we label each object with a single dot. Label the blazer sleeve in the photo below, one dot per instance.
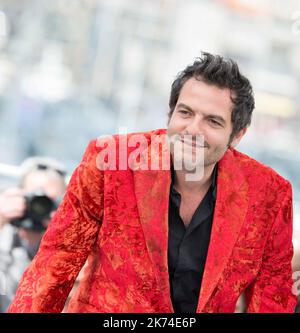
(272, 289)
(67, 242)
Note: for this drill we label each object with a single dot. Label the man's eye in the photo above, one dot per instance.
(184, 112)
(214, 122)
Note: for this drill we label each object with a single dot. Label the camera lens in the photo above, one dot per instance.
(39, 207)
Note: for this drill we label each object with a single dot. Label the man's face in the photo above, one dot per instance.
(204, 110)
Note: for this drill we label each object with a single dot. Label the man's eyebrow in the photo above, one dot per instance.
(211, 116)
(182, 105)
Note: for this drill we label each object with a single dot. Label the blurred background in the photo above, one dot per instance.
(71, 70)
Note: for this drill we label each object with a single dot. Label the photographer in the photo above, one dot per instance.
(25, 213)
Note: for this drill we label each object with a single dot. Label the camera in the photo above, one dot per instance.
(38, 208)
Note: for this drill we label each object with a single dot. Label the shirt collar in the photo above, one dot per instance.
(213, 184)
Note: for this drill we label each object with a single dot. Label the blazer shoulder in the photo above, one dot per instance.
(255, 168)
(107, 149)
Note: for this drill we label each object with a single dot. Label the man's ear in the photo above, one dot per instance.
(237, 138)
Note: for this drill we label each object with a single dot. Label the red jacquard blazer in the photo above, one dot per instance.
(118, 220)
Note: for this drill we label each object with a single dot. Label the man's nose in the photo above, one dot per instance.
(195, 127)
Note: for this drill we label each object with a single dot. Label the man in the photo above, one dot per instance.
(159, 240)
(20, 236)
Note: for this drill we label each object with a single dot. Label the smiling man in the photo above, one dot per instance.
(156, 240)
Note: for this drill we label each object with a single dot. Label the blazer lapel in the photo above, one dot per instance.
(230, 210)
(152, 189)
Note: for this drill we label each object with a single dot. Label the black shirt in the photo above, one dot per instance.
(187, 248)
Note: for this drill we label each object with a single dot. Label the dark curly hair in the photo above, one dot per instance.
(215, 70)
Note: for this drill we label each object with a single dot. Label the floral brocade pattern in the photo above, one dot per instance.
(118, 221)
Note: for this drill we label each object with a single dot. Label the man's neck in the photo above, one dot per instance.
(184, 186)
